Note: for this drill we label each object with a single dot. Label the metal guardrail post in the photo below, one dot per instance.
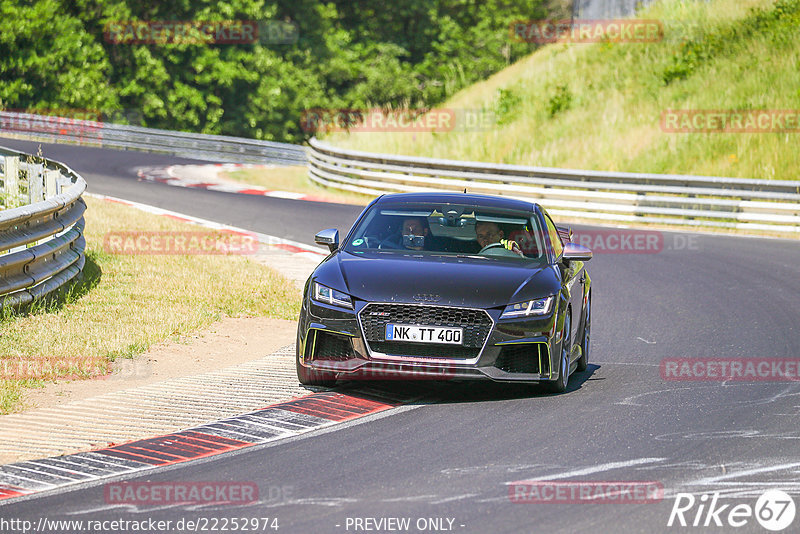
(50, 181)
(35, 183)
(11, 182)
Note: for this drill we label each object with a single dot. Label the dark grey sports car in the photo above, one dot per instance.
(447, 286)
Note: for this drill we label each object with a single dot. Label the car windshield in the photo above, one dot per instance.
(449, 229)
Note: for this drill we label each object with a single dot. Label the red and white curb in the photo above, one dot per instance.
(272, 423)
(294, 247)
(170, 176)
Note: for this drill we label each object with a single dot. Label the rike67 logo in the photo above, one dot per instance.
(774, 511)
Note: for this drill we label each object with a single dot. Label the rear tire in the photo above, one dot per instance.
(560, 384)
(583, 362)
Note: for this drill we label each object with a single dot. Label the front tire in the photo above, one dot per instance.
(560, 384)
(583, 362)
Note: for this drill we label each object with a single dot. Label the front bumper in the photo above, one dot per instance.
(336, 340)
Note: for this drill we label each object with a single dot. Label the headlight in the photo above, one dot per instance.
(526, 309)
(331, 296)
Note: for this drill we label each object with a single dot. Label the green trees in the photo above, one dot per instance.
(348, 54)
(49, 61)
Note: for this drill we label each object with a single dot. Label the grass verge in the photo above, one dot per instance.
(126, 303)
(599, 106)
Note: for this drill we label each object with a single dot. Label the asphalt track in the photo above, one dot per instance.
(452, 454)
(113, 173)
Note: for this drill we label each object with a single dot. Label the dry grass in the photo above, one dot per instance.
(295, 179)
(129, 302)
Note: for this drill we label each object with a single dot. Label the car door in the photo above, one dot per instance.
(572, 278)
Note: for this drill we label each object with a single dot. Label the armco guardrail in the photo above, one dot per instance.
(190, 145)
(700, 201)
(41, 227)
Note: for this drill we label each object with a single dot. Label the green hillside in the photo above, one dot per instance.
(599, 106)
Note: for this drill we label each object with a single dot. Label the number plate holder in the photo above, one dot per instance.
(409, 333)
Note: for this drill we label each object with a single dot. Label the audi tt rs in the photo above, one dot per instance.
(447, 286)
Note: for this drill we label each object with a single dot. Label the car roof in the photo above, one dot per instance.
(471, 199)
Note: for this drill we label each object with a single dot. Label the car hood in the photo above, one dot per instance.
(443, 280)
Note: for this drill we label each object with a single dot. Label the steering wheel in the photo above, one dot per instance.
(491, 246)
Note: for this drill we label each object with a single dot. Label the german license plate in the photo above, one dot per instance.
(424, 334)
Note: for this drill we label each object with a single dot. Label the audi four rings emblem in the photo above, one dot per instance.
(427, 297)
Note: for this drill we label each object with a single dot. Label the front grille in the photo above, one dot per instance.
(523, 358)
(476, 325)
(326, 346)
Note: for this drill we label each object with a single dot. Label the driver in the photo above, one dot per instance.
(487, 233)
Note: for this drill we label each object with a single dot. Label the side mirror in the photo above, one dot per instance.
(574, 251)
(329, 237)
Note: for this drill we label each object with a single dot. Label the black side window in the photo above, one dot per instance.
(555, 238)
